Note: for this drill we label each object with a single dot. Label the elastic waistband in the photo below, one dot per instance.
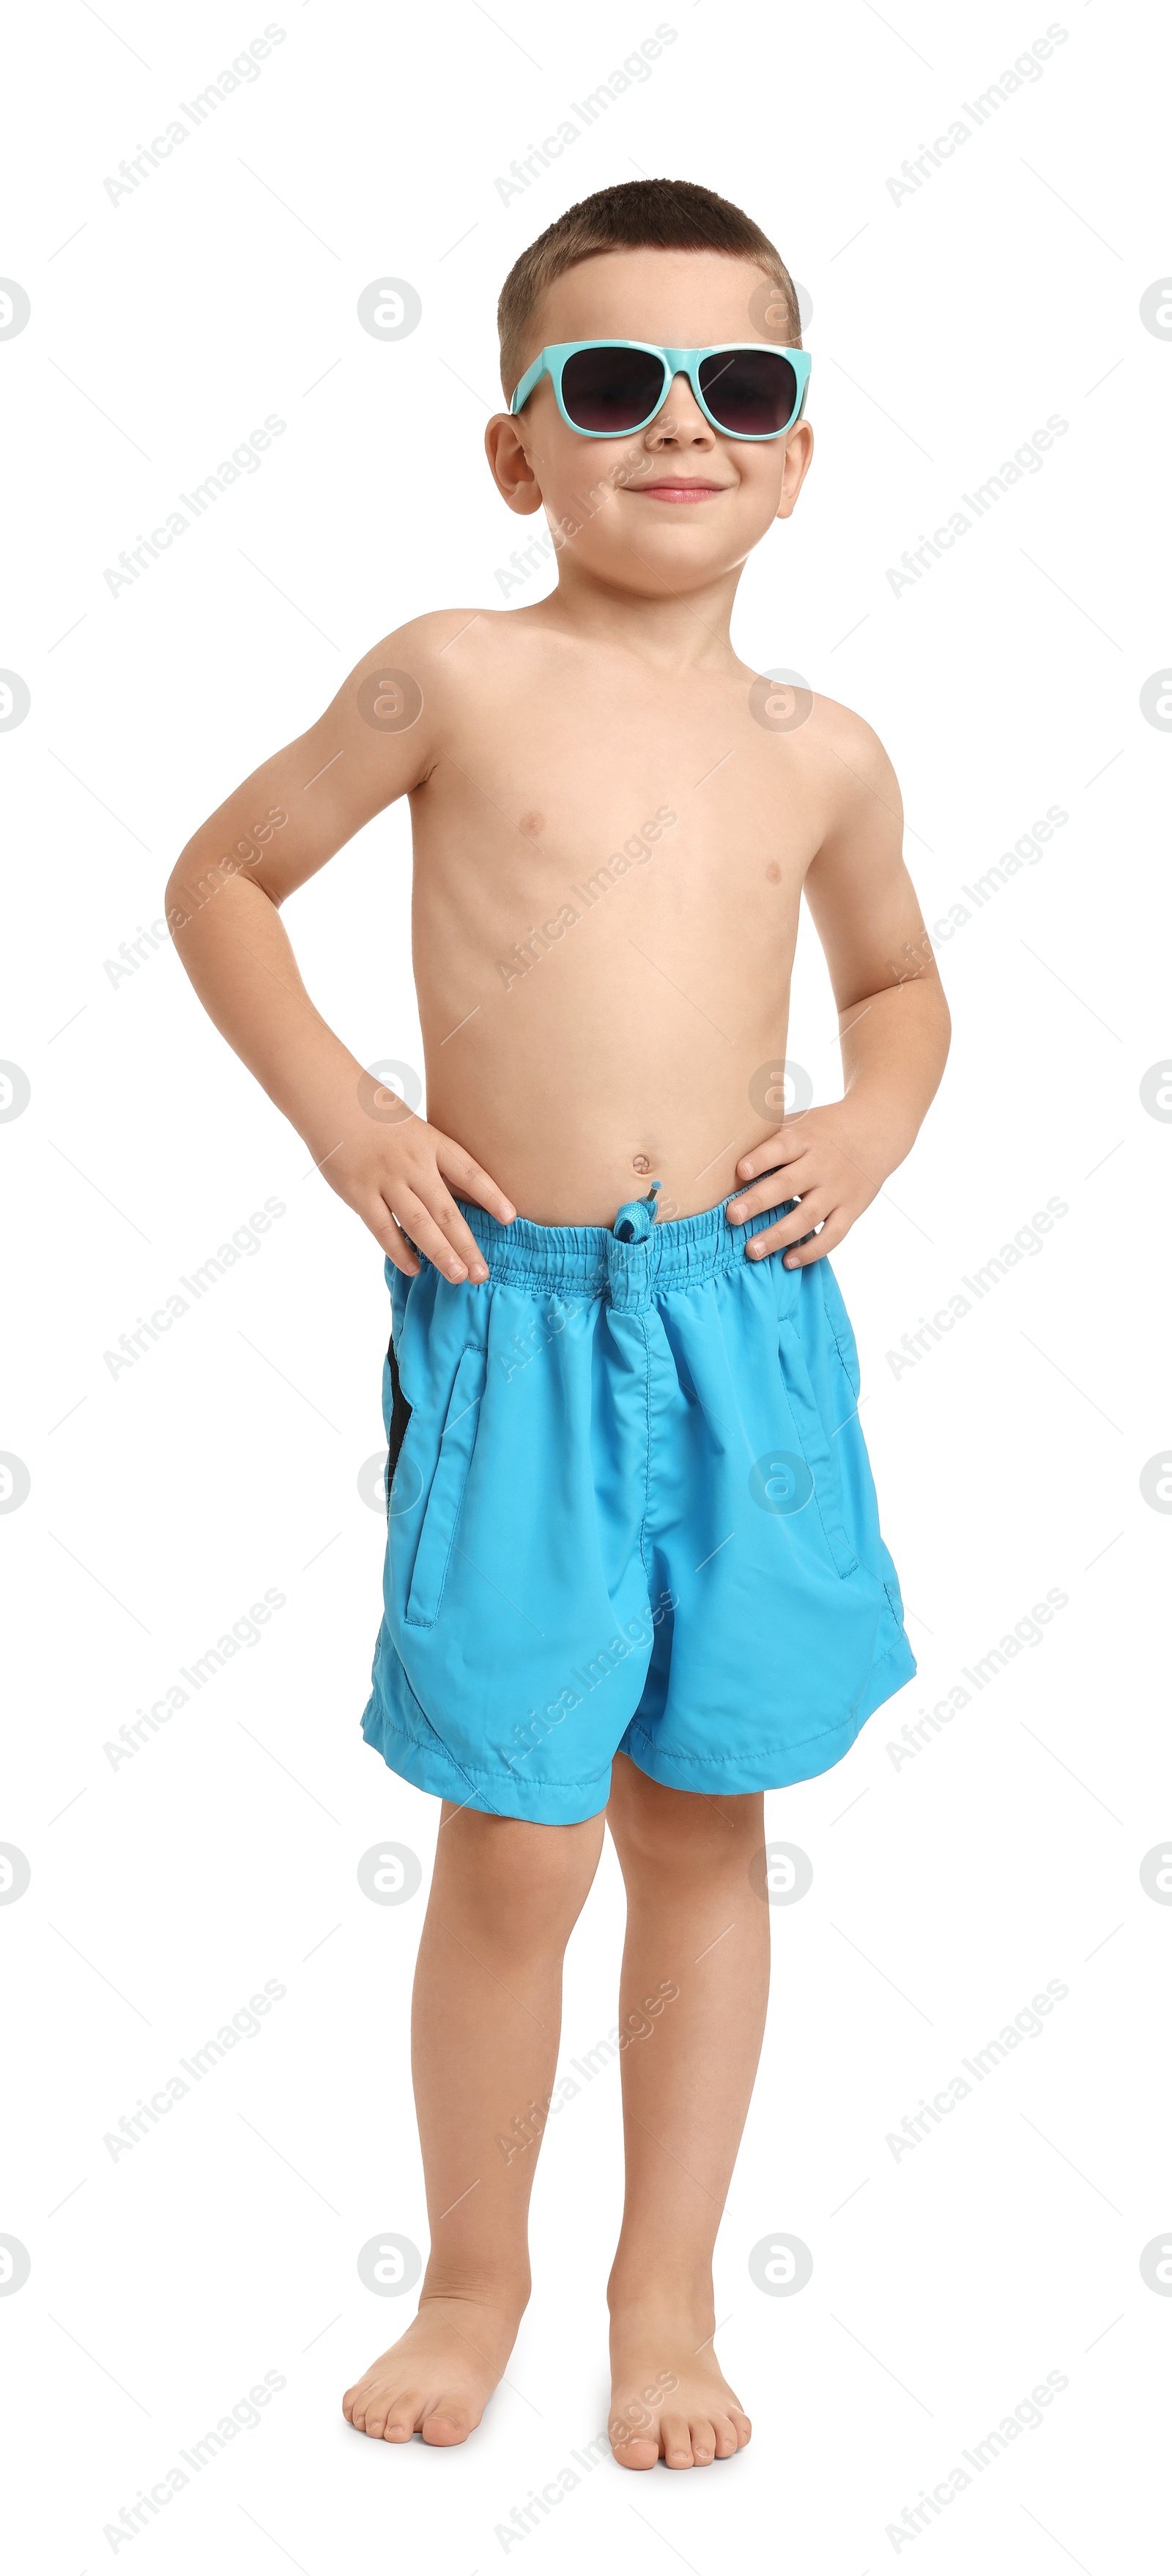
(593, 1260)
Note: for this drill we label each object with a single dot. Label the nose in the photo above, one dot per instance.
(681, 421)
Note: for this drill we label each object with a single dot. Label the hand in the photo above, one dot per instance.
(818, 1159)
(402, 1171)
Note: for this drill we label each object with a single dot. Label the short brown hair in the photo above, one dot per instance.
(640, 214)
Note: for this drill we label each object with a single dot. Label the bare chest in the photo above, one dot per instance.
(550, 803)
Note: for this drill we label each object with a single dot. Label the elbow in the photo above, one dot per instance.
(194, 880)
(192, 883)
(182, 900)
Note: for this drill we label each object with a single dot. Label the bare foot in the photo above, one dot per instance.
(669, 2398)
(438, 2378)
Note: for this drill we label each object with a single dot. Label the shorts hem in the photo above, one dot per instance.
(743, 1773)
(432, 1768)
(429, 1765)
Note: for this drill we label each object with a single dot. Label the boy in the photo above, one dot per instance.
(634, 1572)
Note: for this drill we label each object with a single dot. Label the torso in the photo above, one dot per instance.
(594, 1018)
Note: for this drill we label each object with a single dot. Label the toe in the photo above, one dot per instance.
(741, 2425)
(402, 2416)
(677, 2442)
(726, 2436)
(374, 2409)
(702, 2436)
(635, 2451)
(446, 2423)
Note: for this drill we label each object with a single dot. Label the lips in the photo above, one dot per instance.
(682, 493)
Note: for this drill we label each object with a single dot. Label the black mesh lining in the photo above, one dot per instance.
(400, 1417)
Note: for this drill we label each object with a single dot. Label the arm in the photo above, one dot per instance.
(223, 907)
(893, 1018)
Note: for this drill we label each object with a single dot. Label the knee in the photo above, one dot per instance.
(678, 1829)
(525, 1881)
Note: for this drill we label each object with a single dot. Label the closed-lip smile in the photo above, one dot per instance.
(678, 488)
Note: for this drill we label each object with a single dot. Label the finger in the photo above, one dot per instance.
(814, 1208)
(785, 1144)
(832, 1233)
(432, 1191)
(770, 1192)
(387, 1235)
(473, 1182)
(429, 1235)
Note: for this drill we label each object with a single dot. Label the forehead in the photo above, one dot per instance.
(682, 299)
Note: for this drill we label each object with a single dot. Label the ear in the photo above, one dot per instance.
(799, 449)
(510, 465)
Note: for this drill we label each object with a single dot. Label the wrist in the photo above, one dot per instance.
(881, 1130)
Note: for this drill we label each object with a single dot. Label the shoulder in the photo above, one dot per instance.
(428, 639)
(416, 671)
(438, 651)
(855, 781)
(421, 642)
(847, 739)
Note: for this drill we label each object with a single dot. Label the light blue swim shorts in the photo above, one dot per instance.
(630, 1509)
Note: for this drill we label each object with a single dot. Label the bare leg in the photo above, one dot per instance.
(486, 2019)
(694, 1923)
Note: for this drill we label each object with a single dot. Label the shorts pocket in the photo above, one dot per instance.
(442, 1509)
(398, 1415)
(841, 1328)
(814, 1447)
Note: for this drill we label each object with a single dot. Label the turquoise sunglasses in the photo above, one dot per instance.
(609, 388)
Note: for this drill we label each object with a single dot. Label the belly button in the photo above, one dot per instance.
(533, 824)
(639, 1163)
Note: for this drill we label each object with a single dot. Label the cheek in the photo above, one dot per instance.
(760, 491)
(586, 486)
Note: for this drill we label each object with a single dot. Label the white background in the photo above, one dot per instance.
(947, 327)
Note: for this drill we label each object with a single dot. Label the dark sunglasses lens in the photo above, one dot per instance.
(751, 392)
(611, 389)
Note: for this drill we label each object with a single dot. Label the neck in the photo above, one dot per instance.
(675, 629)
